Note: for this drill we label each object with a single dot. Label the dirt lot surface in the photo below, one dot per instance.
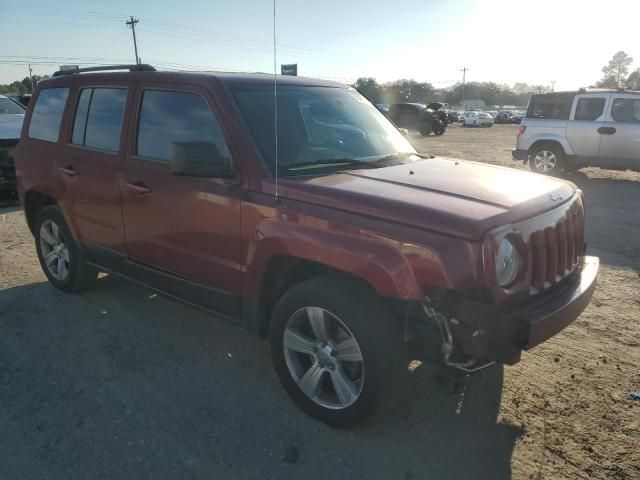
(120, 383)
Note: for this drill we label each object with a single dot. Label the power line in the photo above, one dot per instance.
(132, 23)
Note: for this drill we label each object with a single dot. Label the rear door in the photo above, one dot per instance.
(91, 164)
(181, 225)
(620, 134)
(587, 116)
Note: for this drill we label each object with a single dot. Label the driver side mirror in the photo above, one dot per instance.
(200, 160)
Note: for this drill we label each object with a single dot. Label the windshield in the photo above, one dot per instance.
(317, 124)
(9, 106)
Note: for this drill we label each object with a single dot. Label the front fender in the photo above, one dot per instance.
(378, 262)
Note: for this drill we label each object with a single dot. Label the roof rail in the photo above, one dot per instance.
(143, 67)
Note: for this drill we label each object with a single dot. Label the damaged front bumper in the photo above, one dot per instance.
(488, 334)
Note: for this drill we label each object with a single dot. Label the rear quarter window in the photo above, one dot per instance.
(47, 114)
(550, 106)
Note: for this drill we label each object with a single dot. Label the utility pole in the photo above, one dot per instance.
(464, 78)
(132, 23)
(553, 85)
(31, 77)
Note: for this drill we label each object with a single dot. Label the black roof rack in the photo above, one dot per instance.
(143, 67)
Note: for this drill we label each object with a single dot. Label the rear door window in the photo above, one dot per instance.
(98, 121)
(589, 109)
(626, 110)
(47, 114)
(168, 118)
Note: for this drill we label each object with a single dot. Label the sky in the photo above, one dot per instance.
(506, 41)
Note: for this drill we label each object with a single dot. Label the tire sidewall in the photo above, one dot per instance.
(54, 214)
(360, 319)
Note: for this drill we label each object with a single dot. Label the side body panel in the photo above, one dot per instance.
(583, 135)
(620, 141)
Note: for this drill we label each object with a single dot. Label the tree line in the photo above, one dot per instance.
(21, 86)
(615, 74)
(424, 92)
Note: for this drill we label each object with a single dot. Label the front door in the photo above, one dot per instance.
(620, 137)
(185, 226)
(587, 116)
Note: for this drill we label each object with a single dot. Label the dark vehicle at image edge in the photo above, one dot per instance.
(418, 116)
(168, 179)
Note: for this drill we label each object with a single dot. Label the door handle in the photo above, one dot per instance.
(69, 171)
(138, 187)
(606, 130)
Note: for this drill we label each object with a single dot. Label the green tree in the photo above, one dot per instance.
(618, 68)
(633, 80)
(370, 88)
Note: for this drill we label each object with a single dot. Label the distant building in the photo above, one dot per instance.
(474, 103)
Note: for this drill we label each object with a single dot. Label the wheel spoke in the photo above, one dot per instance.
(47, 236)
(310, 381)
(62, 269)
(344, 387)
(65, 254)
(297, 342)
(348, 351)
(56, 232)
(319, 323)
(49, 258)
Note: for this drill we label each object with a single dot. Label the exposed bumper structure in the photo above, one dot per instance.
(484, 332)
(519, 154)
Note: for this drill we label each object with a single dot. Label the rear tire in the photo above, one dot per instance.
(425, 129)
(372, 372)
(61, 257)
(547, 159)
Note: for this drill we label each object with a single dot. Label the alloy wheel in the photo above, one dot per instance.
(323, 358)
(55, 251)
(545, 161)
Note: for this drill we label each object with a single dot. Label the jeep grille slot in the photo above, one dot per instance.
(556, 251)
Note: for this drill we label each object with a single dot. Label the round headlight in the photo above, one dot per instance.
(507, 261)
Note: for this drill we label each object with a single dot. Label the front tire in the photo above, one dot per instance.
(337, 350)
(547, 159)
(60, 255)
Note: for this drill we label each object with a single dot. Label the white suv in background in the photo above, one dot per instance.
(570, 130)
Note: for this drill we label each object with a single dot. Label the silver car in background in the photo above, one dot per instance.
(565, 131)
(478, 119)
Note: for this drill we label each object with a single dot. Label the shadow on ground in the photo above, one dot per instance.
(120, 383)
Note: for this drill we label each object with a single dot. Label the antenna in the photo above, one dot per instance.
(275, 97)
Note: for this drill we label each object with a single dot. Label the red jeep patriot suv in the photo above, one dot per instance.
(329, 234)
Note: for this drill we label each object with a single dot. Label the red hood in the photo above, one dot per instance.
(456, 197)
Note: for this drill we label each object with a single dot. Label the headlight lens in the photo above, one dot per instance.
(507, 261)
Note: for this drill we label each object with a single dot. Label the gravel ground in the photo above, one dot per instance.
(120, 383)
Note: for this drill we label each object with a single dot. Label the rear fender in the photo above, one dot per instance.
(552, 138)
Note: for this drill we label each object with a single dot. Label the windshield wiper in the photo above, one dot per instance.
(395, 156)
(328, 162)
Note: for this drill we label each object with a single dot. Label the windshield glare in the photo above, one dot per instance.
(316, 124)
(11, 107)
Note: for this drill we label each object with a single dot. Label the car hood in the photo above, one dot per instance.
(456, 197)
(10, 126)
